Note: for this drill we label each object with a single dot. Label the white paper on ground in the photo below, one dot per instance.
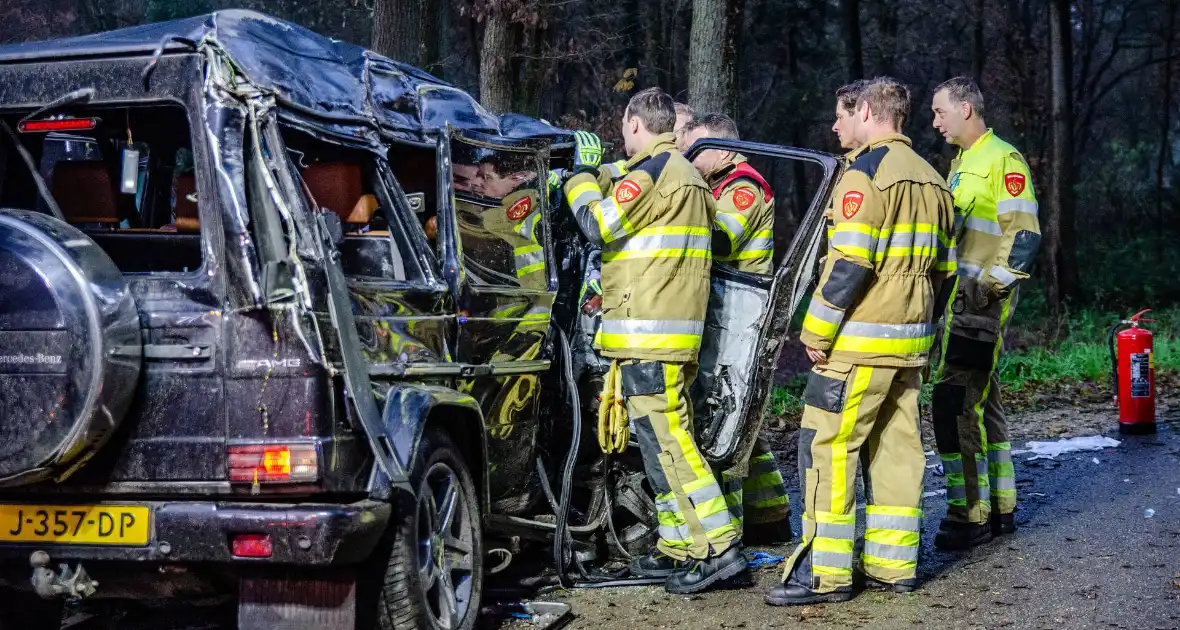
(1050, 450)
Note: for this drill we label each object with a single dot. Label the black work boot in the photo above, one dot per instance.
(1003, 524)
(774, 533)
(657, 565)
(900, 586)
(955, 536)
(788, 594)
(701, 574)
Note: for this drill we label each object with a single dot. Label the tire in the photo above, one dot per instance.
(70, 347)
(413, 591)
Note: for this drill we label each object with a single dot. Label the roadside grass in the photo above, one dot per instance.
(1044, 352)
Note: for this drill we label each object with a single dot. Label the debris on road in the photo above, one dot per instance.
(759, 559)
(1148, 513)
(543, 615)
(934, 493)
(1050, 450)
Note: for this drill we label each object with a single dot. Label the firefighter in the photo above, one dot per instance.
(743, 239)
(846, 98)
(869, 330)
(653, 227)
(504, 176)
(996, 217)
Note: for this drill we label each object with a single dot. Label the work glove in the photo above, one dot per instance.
(556, 177)
(613, 430)
(587, 152)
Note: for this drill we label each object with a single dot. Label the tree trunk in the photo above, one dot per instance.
(853, 57)
(1165, 152)
(400, 30)
(1059, 256)
(495, 67)
(652, 73)
(716, 25)
(979, 54)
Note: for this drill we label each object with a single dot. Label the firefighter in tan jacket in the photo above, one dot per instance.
(653, 227)
(998, 237)
(869, 329)
(743, 238)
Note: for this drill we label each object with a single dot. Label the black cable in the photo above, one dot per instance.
(1114, 361)
(571, 458)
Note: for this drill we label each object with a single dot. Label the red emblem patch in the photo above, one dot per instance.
(627, 191)
(851, 205)
(1014, 182)
(520, 209)
(743, 198)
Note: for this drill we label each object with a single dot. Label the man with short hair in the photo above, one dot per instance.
(846, 97)
(653, 228)
(868, 330)
(743, 238)
(999, 234)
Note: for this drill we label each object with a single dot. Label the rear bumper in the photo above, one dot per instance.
(301, 534)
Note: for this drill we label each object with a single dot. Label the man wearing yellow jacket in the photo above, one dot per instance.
(996, 218)
(743, 238)
(869, 329)
(653, 227)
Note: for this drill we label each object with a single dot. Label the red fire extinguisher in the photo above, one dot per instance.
(1133, 374)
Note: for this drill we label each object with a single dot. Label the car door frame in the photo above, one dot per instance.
(793, 278)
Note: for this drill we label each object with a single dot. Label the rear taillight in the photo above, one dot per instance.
(273, 463)
(252, 546)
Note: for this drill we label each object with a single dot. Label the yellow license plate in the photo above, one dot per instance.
(75, 524)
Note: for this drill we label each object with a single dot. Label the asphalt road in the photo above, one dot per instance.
(1085, 556)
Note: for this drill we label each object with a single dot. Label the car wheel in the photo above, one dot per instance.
(434, 575)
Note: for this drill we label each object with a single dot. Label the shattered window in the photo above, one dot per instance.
(346, 182)
(498, 205)
(123, 175)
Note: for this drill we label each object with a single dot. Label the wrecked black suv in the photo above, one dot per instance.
(283, 318)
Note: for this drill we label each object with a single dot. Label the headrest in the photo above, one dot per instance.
(84, 192)
(363, 211)
(336, 186)
(184, 204)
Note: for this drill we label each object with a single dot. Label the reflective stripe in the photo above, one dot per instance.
(831, 559)
(612, 222)
(1005, 483)
(665, 242)
(855, 239)
(889, 563)
(905, 553)
(884, 338)
(1005, 277)
(969, 270)
(688, 449)
(732, 224)
(952, 464)
(583, 195)
(822, 319)
(616, 169)
(860, 384)
(956, 492)
(653, 326)
(529, 258)
(527, 226)
(908, 240)
(1016, 205)
(987, 226)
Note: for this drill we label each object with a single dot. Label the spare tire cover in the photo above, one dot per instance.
(70, 347)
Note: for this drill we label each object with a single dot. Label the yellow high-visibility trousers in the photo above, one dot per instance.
(849, 407)
(694, 520)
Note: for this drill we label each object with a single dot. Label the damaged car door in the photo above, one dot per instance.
(506, 286)
(749, 314)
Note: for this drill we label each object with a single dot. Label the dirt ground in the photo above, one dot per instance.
(1098, 544)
